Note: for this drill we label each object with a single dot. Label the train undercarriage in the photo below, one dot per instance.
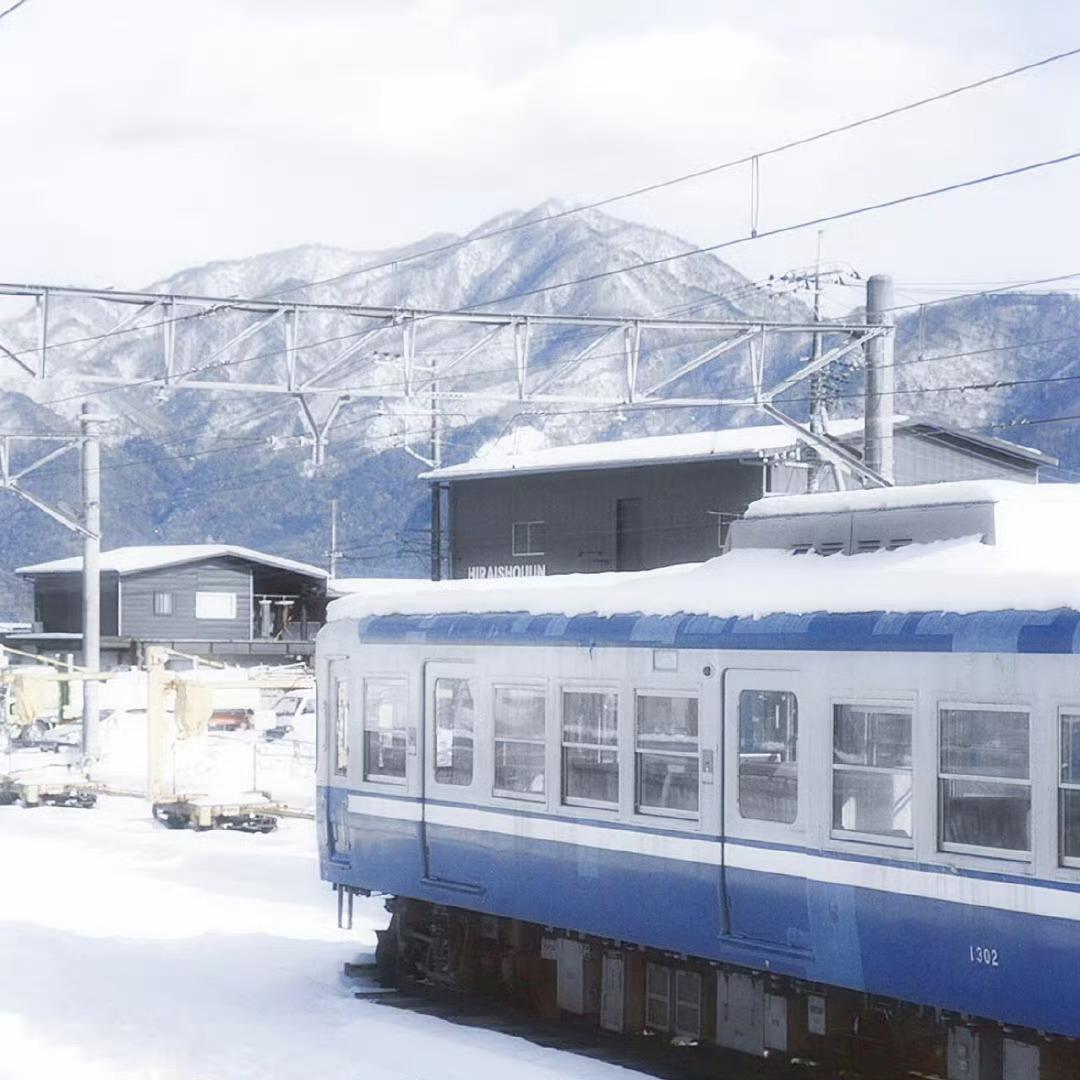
(624, 989)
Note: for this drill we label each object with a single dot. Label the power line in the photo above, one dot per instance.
(781, 230)
(8, 11)
(745, 159)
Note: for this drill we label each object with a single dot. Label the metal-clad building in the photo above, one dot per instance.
(642, 503)
(206, 599)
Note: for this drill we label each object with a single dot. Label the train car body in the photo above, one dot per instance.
(786, 761)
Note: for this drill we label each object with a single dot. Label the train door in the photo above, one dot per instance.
(334, 751)
(766, 806)
(450, 771)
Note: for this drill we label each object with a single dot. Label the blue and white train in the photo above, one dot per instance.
(832, 774)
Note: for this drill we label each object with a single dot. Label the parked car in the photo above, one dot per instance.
(232, 720)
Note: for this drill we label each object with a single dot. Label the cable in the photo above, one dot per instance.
(781, 230)
(751, 158)
(8, 11)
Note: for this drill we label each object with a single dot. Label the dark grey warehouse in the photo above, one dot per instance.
(642, 503)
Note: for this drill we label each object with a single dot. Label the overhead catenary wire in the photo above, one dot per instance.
(13, 7)
(753, 158)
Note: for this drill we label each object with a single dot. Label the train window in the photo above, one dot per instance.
(590, 750)
(666, 747)
(768, 762)
(984, 779)
(454, 715)
(1069, 789)
(872, 771)
(340, 705)
(519, 740)
(385, 710)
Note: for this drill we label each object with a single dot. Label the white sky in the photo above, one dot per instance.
(142, 136)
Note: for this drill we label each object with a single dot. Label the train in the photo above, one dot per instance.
(818, 794)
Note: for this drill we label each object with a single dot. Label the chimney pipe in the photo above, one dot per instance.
(880, 378)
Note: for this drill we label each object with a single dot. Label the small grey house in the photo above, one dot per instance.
(641, 503)
(205, 599)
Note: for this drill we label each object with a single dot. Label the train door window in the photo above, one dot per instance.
(1069, 789)
(590, 747)
(768, 755)
(666, 749)
(454, 716)
(984, 799)
(657, 997)
(339, 704)
(519, 723)
(386, 704)
(872, 772)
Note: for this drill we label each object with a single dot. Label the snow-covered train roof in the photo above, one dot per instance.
(134, 560)
(1032, 566)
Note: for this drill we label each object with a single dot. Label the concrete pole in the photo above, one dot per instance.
(90, 426)
(436, 490)
(158, 735)
(333, 539)
(880, 378)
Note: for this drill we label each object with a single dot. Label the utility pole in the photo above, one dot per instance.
(818, 405)
(333, 553)
(90, 429)
(436, 490)
(880, 378)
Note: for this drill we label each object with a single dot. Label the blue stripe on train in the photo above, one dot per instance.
(909, 948)
(876, 631)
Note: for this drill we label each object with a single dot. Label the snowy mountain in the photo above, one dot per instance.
(195, 467)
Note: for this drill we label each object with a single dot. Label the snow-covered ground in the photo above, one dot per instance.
(131, 952)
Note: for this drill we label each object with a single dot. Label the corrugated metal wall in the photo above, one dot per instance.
(215, 575)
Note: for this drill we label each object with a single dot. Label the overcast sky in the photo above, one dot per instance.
(143, 136)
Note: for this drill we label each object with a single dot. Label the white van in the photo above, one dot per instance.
(294, 717)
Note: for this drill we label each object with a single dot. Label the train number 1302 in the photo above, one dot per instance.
(982, 954)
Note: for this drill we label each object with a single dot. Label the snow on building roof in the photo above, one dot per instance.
(1027, 569)
(134, 560)
(729, 443)
(958, 492)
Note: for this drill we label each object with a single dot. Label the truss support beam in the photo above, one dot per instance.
(830, 449)
(699, 361)
(236, 339)
(42, 305)
(632, 355)
(522, 336)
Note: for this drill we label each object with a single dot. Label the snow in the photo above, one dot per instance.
(369, 586)
(132, 560)
(503, 459)
(132, 951)
(904, 497)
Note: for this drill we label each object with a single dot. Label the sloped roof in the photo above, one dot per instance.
(134, 560)
(729, 443)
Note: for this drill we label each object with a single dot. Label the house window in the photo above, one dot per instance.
(163, 603)
(215, 605)
(519, 740)
(385, 708)
(1069, 789)
(872, 771)
(528, 538)
(768, 755)
(984, 780)
(666, 747)
(454, 714)
(590, 747)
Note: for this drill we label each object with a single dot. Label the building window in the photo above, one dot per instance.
(1069, 789)
(666, 749)
(454, 715)
(341, 726)
(163, 603)
(385, 708)
(590, 747)
(215, 605)
(768, 755)
(872, 771)
(528, 538)
(984, 780)
(519, 740)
